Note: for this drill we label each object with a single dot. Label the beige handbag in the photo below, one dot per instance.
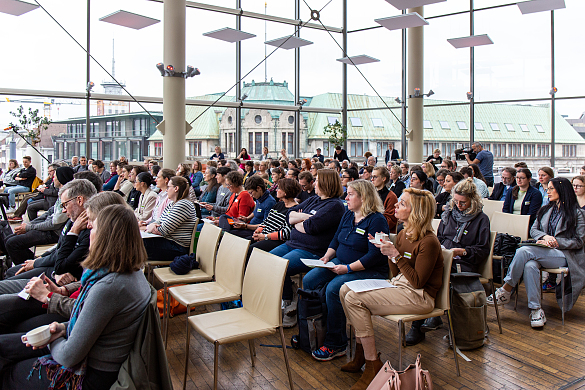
(413, 378)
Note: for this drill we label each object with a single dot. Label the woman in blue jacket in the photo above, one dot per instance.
(354, 258)
(314, 222)
(523, 199)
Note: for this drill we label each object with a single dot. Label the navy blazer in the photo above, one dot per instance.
(530, 205)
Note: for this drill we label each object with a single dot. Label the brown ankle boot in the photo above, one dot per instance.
(370, 371)
(358, 360)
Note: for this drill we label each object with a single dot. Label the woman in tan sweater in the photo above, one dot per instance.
(417, 263)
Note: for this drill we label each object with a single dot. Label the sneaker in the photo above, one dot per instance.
(431, 324)
(546, 286)
(502, 297)
(14, 219)
(537, 318)
(11, 210)
(324, 354)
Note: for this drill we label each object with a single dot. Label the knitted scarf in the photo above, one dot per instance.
(70, 378)
(462, 219)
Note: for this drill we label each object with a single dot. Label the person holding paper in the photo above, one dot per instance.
(560, 225)
(417, 263)
(354, 258)
(315, 222)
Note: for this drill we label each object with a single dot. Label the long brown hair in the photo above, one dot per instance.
(329, 183)
(117, 258)
(183, 184)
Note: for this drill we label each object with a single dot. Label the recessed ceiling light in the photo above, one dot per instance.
(404, 4)
(358, 60)
(529, 7)
(229, 35)
(290, 42)
(16, 7)
(129, 19)
(471, 41)
(402, 21)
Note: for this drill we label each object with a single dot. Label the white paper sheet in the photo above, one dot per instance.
(368, 284)
(144, 234)
(317, 263)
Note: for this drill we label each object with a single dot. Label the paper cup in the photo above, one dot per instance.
(38, 336)
(381, 237)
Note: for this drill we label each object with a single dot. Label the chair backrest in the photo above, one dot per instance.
(392, 237)
(491, 206)
(231, 262)
(435, 224)
(487, 269)
(263, 283)
(515, 225)
(207, 247)
(442, 300)
(193, 234)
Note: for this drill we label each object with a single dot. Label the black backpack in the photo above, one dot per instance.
(505, 246)
(312, 320)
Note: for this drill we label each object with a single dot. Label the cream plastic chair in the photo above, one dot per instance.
(515, 225)
(150, 264)
(435, 224)
(205, 254)
(442, 306)
(260, 315)
(229, 272)
(487, 274)
(563, 271)
(491, 206)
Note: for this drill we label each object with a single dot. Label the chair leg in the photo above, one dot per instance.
(496, 306)
(166, 313)
(215, 364)
(252, 352)
(563, 297)
(350, 341)
(452, 337)
(188, 339)
(541, 293)
(400, 341)
(516, 298)
(290, 381)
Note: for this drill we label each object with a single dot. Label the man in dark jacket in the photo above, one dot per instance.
(508, 182)
(340, 154)
(391, 154)
(25, 179)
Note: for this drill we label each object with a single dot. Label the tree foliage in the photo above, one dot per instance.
(31, 123)
(337, 133)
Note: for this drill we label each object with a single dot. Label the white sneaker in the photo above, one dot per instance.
(11, 210)
(502, 297)
(537, 318)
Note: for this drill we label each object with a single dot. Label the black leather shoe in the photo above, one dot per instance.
(431, 324)
(414, 336)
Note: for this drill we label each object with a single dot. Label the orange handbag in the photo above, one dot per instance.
(174, 306)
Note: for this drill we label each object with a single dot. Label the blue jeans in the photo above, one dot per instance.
(336, 337)
(295, 265)
(161, 249)
(12, 191)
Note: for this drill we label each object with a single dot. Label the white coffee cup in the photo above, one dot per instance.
(381, 237)
(38, 336)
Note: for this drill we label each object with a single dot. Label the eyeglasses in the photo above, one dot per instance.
(577, 186)
(460, 203)
(551, 188)
(521, 178)
(64, 204)
(374, 177)
(345, 177)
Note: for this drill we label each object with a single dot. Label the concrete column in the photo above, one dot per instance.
(174, 87)
(415, 74)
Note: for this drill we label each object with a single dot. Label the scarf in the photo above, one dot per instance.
(70, 378)
(462, 220)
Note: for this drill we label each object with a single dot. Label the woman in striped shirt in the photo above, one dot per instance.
(175, 225)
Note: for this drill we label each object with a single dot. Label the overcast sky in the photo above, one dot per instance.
(39, 55)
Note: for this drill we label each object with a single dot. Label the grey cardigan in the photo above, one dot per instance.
(573, 249)
(222, 201)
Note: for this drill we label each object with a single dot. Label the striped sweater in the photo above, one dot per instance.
(276, 223)
(178, 221)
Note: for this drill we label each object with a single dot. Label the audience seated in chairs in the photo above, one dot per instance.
(508, 182)
(560, 226)
(148, 197)
(24, 180)
(264, 203)
(42, 199)
(354, 258)
(99, 336)
(451, 180)
(222, 198)
(395, 184)
(175, 225)
(523, 199)
(416, 263)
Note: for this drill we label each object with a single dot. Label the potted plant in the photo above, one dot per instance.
(337, 133)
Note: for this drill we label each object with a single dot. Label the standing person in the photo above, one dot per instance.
(319, 155)
(315, 222)
(82, 165)
(391, 153)
(544, 176)
(485, 161)
(148, 197)
(435, 159)
(218, 155)
(560, 226)
(100, 169)
(508, 182)
(354, 258)
(523, 199)
(264, 156)
(417, 263)
(340, 154)
(25, 179)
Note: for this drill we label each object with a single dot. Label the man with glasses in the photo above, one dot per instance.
(62, 263)
(307, 182)
(448, 165)
(348, 175)
(508, 182)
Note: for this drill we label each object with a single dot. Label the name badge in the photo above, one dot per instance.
(64, 229)
(360, 231)
(259, 210)
(222, 193)
(527, 203)
(465, 232)
(408, 255)
(237, 200)
(313, 212)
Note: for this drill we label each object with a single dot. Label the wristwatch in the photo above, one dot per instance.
(395, 259)
(266, 237)
(464, 252)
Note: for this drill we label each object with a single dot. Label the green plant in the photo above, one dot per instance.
(31, 123)
(337, 133)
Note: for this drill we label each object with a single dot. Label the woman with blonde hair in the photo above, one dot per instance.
(417, 263)
(354, 258)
